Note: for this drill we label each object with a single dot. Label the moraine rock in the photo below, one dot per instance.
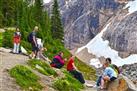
(121, 84)
(130, 71)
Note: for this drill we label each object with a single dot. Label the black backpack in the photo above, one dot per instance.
(29, 38)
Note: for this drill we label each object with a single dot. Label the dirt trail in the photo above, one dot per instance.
(7, 61)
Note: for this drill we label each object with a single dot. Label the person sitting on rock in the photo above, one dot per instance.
(113, 66)
(58, 61)
(109, 74)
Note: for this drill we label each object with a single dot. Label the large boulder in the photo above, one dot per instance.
(121, 84)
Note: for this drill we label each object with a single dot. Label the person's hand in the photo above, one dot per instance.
(65, 59)
(45, 49)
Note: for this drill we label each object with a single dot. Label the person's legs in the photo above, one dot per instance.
(102, 83)
(14, 48)
(38, 55)
(59, 65)
(78, 76)
(105, 78)
(36, 51)
(32, 55)
(17, 48)
(99, 81)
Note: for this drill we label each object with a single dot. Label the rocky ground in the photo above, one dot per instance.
(130, 71)
(7, 61)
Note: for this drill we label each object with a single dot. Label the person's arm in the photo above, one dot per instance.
(105, 73)
(74, 66)
(34, 40)
(62, 61)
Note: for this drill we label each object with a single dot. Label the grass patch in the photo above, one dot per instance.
(68, 83)
(26, 78)
(1, 39)
(42, 67)
(88, 72)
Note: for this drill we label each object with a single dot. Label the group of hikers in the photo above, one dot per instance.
(110, 72)
(36, 43)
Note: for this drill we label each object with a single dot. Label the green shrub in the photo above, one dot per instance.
(44, 67)
(8, 39)
(26, 78)
(69, 83)
(1, 39)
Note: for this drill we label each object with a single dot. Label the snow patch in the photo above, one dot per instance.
(95, 62)
(132, 6)
(99, 47)
(46, 1)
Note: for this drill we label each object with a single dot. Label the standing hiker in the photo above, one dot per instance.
(16, 41)
(32, 39)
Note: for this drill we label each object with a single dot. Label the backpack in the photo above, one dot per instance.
(113, 66)
(29, 38)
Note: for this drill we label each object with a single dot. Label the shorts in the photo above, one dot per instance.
(34, 48)
(113, 78)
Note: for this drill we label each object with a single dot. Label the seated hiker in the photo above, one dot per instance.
(73, 70)
(109, 74)
(41, 50)
(113, 66)
(58, 61)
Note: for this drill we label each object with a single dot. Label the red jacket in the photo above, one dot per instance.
(69, 65)
(16, 39)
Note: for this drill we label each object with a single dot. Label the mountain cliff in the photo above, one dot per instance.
(83, 19)
(122, 35)
(117, 39)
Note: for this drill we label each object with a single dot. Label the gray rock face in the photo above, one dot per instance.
(83, 19)
(122, 33)
(130, 71)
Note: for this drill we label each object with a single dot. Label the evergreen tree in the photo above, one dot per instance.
(56, 25)
(1, 15)
(38, 13)
(9, 12)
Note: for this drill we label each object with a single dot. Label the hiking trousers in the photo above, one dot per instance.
(16, 48)
(78, 76)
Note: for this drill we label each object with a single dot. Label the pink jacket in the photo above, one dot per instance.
(60, 59)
